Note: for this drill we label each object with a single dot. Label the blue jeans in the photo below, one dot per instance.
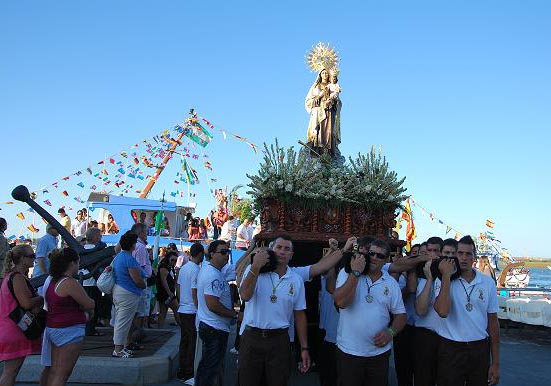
(211, 367)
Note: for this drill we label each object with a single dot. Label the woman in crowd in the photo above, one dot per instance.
(111, 226)
(67, 304)
(129, 284)
(194, 230)
(166, 287)
(14, 346)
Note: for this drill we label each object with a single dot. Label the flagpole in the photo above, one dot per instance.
(158, 226)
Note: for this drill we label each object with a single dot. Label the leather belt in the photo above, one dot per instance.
(265, 333)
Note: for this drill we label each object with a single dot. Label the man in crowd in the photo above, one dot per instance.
(404, 354)
(4, 246)
(141, 255)
(65, 219)
(93, 238)
(228, 230)
(243, 235)
(468, 353)
(272, 298)
(215, 313)
(367, 298)
(449, 248)
(79, 226)
(187, 278)
(45, 245)
(427, 320)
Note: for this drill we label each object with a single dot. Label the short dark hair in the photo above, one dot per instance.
(60, 260)
(424, 243)
(450, 242)
(171, 253)
(365, 241)
(283, 237)
(128, 240)
(61, 210)
(172, 246)
(381, 244)
(196, 249)
(469, 241)
(436, 240)
(214, 245)
(3, 222)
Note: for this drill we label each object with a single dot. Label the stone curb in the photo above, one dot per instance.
(158, 368)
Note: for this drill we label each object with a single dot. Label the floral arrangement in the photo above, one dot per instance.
(298, 178)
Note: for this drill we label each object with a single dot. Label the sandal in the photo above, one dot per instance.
(122, 354)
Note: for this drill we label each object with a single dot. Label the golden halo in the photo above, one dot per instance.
(322, 56)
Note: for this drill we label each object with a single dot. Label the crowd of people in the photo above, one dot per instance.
(433, 308)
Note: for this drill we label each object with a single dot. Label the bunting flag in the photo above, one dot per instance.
(190, 176)
(411, 233)
(32, 228)
(448, 229)
(490, 223)
(457, 236)
(208, 165)
(20, 216)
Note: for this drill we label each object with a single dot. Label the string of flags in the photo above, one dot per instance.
(125, 172)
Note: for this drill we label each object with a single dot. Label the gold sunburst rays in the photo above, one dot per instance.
(322, 56)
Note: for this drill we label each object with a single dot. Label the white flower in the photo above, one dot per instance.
(367, 188)
(280, 183)
(289, 187)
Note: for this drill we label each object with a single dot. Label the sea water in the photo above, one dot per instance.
(540, 277)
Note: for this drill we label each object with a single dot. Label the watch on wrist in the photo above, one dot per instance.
(356, 273)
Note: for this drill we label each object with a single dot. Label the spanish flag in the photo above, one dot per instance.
(490, 223)
(411, 233)
(32, 228)
(20, 216)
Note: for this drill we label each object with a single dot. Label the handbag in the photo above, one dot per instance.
(31, 324)
(106, 281)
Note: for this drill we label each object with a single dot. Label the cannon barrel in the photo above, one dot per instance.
(89, 257)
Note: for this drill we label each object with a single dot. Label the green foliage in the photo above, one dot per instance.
(296, 177)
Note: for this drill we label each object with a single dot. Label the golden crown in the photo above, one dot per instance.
(323, 56)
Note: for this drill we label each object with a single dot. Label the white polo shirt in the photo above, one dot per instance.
(409, 301)
(361, 321)
(261, 312)
(462, 325)
(210, 281)
(430, 320)
(187, 278)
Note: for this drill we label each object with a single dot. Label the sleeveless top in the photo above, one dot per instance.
(63, 311)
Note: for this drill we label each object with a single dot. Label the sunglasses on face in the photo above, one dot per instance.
(379, 255)
(223, 251)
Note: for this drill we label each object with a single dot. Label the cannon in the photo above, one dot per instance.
(88, 257)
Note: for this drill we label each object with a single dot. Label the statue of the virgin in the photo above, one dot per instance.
(323, 103)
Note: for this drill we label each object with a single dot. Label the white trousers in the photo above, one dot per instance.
(126, 305)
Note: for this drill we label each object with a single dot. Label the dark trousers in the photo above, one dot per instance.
(211, 367)
(264, 358)
(95, 294)
(404, 355)
(426, 356)
(354, 370)
(188, 337)
(463, 364)
(328, 368)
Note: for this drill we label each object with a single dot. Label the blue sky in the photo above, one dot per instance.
(456, 94)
